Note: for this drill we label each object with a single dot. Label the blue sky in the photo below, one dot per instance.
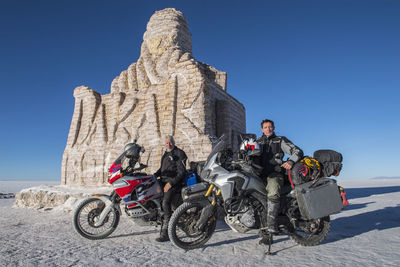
(327, 72)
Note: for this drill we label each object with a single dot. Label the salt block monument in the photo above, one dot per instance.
(165, 92)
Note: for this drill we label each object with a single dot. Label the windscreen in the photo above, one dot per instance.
(120, 158)
(220, 145)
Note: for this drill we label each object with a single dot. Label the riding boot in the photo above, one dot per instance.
(164, 231)
(272, 214)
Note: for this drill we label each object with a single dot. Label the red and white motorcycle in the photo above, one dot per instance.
(140, 194)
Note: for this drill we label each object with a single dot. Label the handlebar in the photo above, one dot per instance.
(128, 170)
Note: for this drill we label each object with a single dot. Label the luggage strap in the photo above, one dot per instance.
(314, 165)
(290, 179)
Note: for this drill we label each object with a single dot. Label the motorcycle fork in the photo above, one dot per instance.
(208, 193)
(209, 210)
(110, 202)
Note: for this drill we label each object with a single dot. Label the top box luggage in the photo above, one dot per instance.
(330, 160)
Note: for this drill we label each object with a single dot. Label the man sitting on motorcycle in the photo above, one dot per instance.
(172, 173)
(273, 149)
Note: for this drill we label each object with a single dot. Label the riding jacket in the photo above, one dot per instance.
(273, 149)
(173, 167)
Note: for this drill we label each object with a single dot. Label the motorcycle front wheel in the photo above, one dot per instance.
(182, 231)
(311, 233)
(86, 215)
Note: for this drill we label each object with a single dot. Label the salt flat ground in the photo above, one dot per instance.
(365, 233)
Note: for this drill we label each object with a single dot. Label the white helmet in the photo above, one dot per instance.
(249, 145)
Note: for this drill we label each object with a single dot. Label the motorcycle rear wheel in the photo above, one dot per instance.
(86, 214)
(312, 232)
(181, 228)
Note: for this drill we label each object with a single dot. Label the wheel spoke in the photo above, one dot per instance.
(88, 213)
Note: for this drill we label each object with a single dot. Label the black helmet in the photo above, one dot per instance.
(132, 150)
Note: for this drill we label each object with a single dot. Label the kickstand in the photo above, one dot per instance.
(270, 241)
(267, 240)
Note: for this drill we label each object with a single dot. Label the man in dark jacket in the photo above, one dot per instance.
(273, 149)
(171, 173)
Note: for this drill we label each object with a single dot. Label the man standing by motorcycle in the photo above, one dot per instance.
(273, 149)
(171, 173)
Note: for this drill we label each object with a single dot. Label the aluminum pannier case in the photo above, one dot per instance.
(319, 199)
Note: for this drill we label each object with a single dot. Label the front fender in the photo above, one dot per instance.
(99, 195)
(108, 206)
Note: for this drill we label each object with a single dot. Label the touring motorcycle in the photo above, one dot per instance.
(232, 188)
(140, 194)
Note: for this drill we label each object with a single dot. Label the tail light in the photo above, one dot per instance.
(343, 195)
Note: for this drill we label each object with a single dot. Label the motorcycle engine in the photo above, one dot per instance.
(248, 219)
(242, 222)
